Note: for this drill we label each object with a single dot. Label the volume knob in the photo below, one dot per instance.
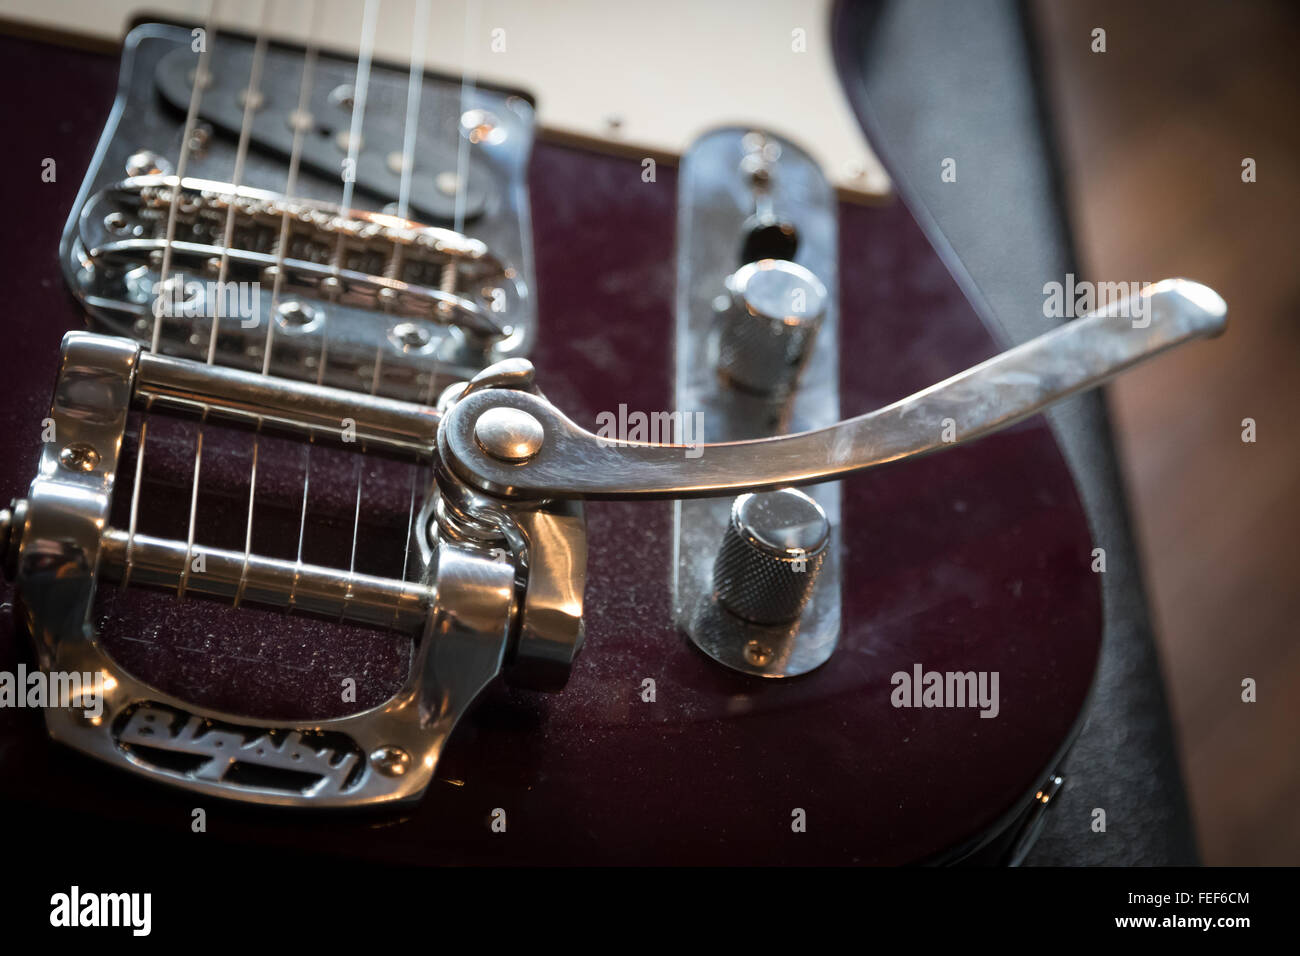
(772, 550)
(773, 311)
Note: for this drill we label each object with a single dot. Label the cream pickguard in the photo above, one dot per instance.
(640, 78)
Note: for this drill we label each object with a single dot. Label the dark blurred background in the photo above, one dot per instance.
(1152, 134)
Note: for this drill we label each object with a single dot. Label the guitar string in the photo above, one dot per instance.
(302, 527)
(416, 471)
(369, 18)
(299, 123)
(360, 88)
(182, 160)
(301, 120)
(360, 94)
(468, 84)
(251, 94)
(201, 79)
(462, 180)
(414, 90)
(194, 505)
(360, 474)
(251, 101)
(360, 91)
(251, 105)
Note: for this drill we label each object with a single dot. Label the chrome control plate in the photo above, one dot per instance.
(745, 194)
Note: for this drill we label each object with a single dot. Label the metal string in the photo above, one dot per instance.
(414, 88)
(301, 122)
(196, 96)
(251, 95)
(467, 88)
(300, 125)
(365, 54)
(251, 105)
(191, 115)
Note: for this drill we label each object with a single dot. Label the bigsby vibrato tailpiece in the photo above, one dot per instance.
(484, 598)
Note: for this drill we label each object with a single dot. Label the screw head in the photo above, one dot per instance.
(79, 457)
(300, 121)
(509, 434)
(251, 99)
(409, 336)
(296, 317)
(390, 761)
(447, 183)
(147, 163)
(396, 162)
(481, 126)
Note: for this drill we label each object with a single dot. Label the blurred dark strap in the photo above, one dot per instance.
(958, 79)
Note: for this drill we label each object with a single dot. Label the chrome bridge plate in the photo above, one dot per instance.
(716, 212)
(386, 330)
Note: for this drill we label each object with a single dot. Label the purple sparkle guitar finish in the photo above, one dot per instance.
(973, 560)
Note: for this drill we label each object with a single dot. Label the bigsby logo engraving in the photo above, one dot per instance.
(199, 749)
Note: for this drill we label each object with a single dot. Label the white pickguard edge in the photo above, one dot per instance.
(666, 70)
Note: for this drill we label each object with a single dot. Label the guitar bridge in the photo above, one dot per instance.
(368, 260)
(272, 271)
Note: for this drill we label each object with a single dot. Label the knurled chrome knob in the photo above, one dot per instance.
(771, 552)
(768, 325)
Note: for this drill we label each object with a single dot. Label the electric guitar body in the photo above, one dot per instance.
(974, 561)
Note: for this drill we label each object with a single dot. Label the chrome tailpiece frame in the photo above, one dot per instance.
(495, 591)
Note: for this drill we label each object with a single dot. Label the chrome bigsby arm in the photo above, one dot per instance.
(480, 439)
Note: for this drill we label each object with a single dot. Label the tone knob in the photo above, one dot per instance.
(769, 322)
(771, 552)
